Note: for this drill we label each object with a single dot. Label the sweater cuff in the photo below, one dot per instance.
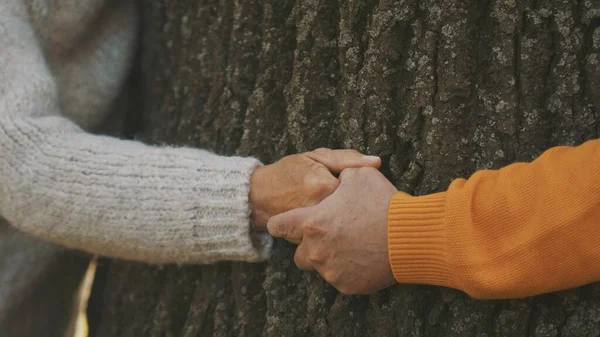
(417, 240)
(240, 242)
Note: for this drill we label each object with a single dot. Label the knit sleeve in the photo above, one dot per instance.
(523, 230)
(107, 196)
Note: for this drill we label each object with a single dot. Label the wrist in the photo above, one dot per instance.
(259, 216)
(417, 240)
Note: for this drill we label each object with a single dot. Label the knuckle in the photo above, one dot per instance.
(312, 181)
(348, 173)
(317, 256)
(318, 185)
(326, 187)
(300, 261)
(313, 228)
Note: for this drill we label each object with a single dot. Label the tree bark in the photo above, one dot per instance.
(438, 88)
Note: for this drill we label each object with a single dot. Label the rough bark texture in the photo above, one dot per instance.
(438, 88)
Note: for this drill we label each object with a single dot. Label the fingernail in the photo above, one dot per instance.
(371, 158)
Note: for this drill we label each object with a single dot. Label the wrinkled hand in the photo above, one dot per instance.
(299, 180)
(345, 236)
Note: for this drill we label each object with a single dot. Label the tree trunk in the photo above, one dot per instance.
(438, 88)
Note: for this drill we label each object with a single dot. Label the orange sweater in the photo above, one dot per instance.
(526, 229)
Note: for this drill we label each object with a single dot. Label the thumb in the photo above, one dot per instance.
(338, 160)
(288, 225)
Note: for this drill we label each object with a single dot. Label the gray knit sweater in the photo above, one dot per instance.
(62, 65)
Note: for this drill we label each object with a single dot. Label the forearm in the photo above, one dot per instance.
(103, 195)
(519, 231)
(125, 199)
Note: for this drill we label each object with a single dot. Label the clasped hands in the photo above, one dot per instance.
(339, 224)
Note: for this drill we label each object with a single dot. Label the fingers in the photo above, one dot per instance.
(288, 225)
(301, 258)
(309, 256)
(338, 160)
(292, 226)
(349, 173)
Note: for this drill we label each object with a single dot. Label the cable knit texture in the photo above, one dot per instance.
(62, 65)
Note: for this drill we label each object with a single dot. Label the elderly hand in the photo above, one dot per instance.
(345, 236)
(299, 180)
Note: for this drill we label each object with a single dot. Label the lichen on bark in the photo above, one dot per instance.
(438, 88)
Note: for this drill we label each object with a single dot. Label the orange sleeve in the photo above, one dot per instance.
(526, 229)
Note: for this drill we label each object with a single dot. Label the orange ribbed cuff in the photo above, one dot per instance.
(417, 240)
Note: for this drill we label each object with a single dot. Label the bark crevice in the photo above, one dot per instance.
(438, 88)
